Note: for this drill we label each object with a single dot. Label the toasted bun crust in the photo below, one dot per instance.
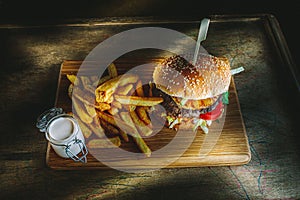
(178, 77)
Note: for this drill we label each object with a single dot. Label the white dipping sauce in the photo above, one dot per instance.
(61, 129)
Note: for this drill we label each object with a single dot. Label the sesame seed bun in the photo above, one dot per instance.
(178, 77)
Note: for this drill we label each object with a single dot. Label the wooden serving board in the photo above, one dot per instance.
(232, 146)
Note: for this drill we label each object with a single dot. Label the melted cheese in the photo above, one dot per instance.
(195, 104)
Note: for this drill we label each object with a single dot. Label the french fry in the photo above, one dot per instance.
(151, 86)
(110, 99)
(127, 79)
(110, 129)
(122, 133)
(84, 96)
(139, 89)
(86, 99)
(131, 92)
(85, 80)
(96, 128)
(142, 110)
(124, 90)
(130, 108)
(116, 104)
(138, 101)
(84, 129)
(90, 110)
(72, 78)
(135, 135)
(105, 143)
(102, 80)
(70, 90)
(102, 106)
(142, 145)
(105, 90)
(116, 122)
(113, 111)
(94, 80)
(125, 116)
(81, 111)
(112, 70)
(144, 130)
(89, 89)
(142, 113)
(124, 136)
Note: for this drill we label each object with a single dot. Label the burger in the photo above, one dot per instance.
(194, 95)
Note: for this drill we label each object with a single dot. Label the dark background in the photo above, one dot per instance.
(33, 11)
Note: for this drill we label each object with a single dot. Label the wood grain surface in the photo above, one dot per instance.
(231, 147)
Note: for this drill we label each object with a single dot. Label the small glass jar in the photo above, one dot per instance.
(63, 133)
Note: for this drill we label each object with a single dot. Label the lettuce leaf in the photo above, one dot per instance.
(225, 98)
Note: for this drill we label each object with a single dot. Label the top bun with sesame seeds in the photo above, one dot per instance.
(177, 77)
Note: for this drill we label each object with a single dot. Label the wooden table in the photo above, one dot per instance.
(30, 63)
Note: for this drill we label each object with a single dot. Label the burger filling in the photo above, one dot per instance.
(195, 104)
(200, 112)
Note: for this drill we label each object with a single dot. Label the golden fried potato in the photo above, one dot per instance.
(116, 121)
(84, 129)
(106, 89)
(72, 78)
(139, 89)
(96, 128)
(135, 135)
(81, 111)
(104, 143)
(116, 104)
(70, 90)
(124, 90)
(112, 70)
(122, 133)
(113, 111)
(109, 128)
(144, 130)
(138, 101)
(143, 115)
(102, 106)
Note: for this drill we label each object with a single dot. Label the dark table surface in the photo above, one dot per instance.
(30, 63)
(36, 12)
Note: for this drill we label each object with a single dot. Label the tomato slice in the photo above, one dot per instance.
(214, 114)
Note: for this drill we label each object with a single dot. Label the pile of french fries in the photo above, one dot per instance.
(118, 109)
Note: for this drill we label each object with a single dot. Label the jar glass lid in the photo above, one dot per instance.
(45, 117)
